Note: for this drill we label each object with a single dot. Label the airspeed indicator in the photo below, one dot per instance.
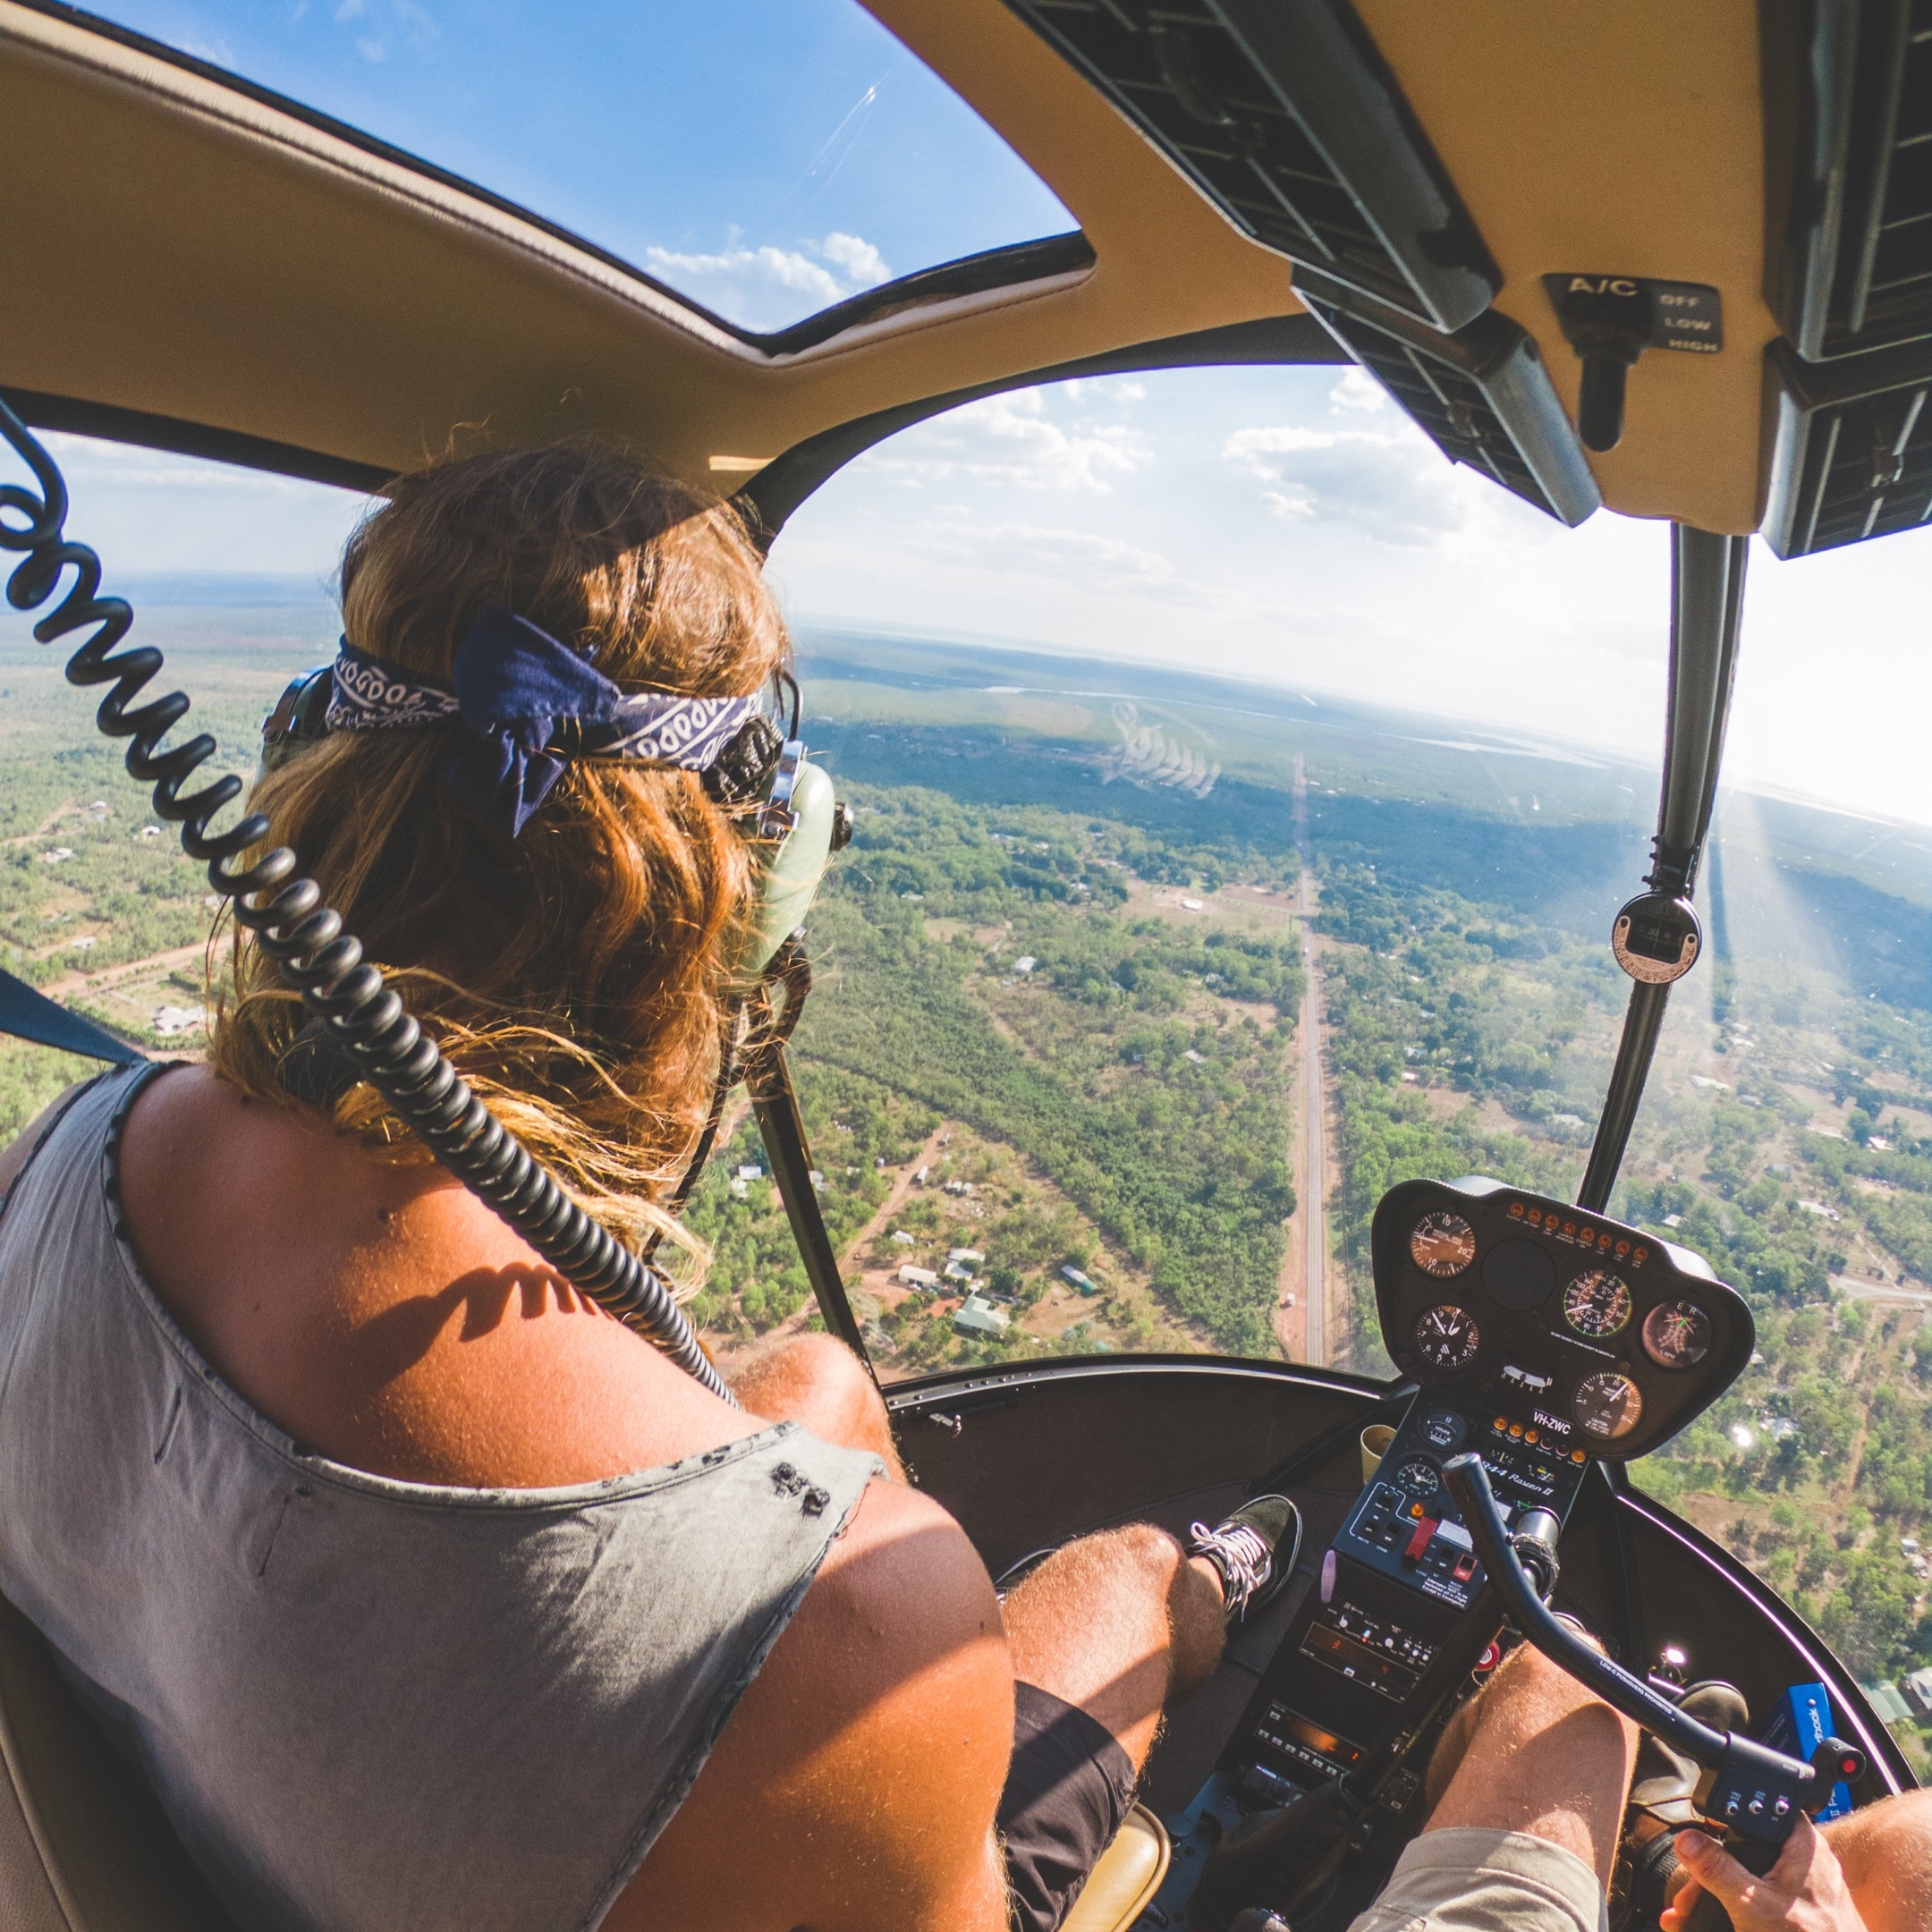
(1596, 1304)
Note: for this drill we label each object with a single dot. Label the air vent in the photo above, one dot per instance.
(1284, 115)
(1854, 129)
(1482, 394)
(1851, 451)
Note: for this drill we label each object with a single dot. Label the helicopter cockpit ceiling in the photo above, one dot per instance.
(1464, 205)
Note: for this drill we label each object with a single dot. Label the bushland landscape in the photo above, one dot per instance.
(1095, 921)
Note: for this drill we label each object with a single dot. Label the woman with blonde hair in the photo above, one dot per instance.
(425, 1593)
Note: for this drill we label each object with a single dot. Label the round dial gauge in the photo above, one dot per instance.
(1677, 1335)
(1418, 1476)
(1442, 1243)
(1596, 1304)
(1608, 1405)
(1445, 1338)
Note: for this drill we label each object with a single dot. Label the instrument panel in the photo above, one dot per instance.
(1590, 1334)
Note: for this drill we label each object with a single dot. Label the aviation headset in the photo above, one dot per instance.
(295, 926)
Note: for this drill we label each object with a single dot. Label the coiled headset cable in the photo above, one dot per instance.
(366, 1018)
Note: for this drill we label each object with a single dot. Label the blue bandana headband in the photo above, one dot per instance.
(516, 689)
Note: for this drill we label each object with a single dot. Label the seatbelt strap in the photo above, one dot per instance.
(31, 1015)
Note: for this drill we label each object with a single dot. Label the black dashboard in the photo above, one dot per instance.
(1597, 1339)
(1545, 1339)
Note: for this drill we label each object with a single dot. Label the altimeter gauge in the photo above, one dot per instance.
(1442, 1243)
(1608, 1405)
(1596, 1304)
(1677, 1335)
(1446, 1337)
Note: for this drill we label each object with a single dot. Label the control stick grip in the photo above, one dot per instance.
(1468, 1483)
(1753, 1790)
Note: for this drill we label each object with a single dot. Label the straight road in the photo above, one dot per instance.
(1314, 1175)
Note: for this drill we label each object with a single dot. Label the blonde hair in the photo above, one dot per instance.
(577, 976)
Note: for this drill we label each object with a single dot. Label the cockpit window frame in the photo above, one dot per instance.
(1014, 265)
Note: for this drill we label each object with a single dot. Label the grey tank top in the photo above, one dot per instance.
(367, 1703)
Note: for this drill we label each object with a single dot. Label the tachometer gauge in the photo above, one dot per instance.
(1596, 1304)
(1677, 1335)
(1442, 1243)
(1445, 1338)
(1418, 1477)
(1608, 1405)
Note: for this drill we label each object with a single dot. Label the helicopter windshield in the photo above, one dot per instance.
(766, 160)
(1177, 811)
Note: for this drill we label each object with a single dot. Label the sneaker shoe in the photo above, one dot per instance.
(1254, 1550)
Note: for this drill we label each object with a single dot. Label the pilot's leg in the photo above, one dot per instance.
(1102, 1634)
(817, 1381)
(1526, 1827)
(1885, 1849)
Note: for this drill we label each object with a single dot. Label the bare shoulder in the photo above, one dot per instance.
(871, 1751)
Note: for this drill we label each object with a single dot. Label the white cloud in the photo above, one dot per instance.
(1287, 509)
(1101, 562)
(1252, 448)
(1014, 440)
(149, 512)
(861, 262)
(1394, 485)
(785, 269)
(768, 287)
(389, 18)
(1356, 390)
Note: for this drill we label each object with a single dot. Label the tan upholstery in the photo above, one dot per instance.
(241, 261)
(84, 1846)
(1125, 1880)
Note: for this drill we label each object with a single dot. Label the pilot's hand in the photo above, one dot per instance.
(1804, 1892)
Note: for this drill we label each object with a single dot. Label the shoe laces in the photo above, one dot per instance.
(1242, 1557)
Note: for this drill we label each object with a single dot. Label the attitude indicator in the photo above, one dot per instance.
(1677, 1335)
(1596, 1304)
(1442, 1244)
(1608, 1405)
(1446, 1337)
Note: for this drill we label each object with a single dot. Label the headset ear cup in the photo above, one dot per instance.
(301, 717)
(789, 870)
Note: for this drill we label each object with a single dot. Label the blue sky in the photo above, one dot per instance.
(769, 155)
